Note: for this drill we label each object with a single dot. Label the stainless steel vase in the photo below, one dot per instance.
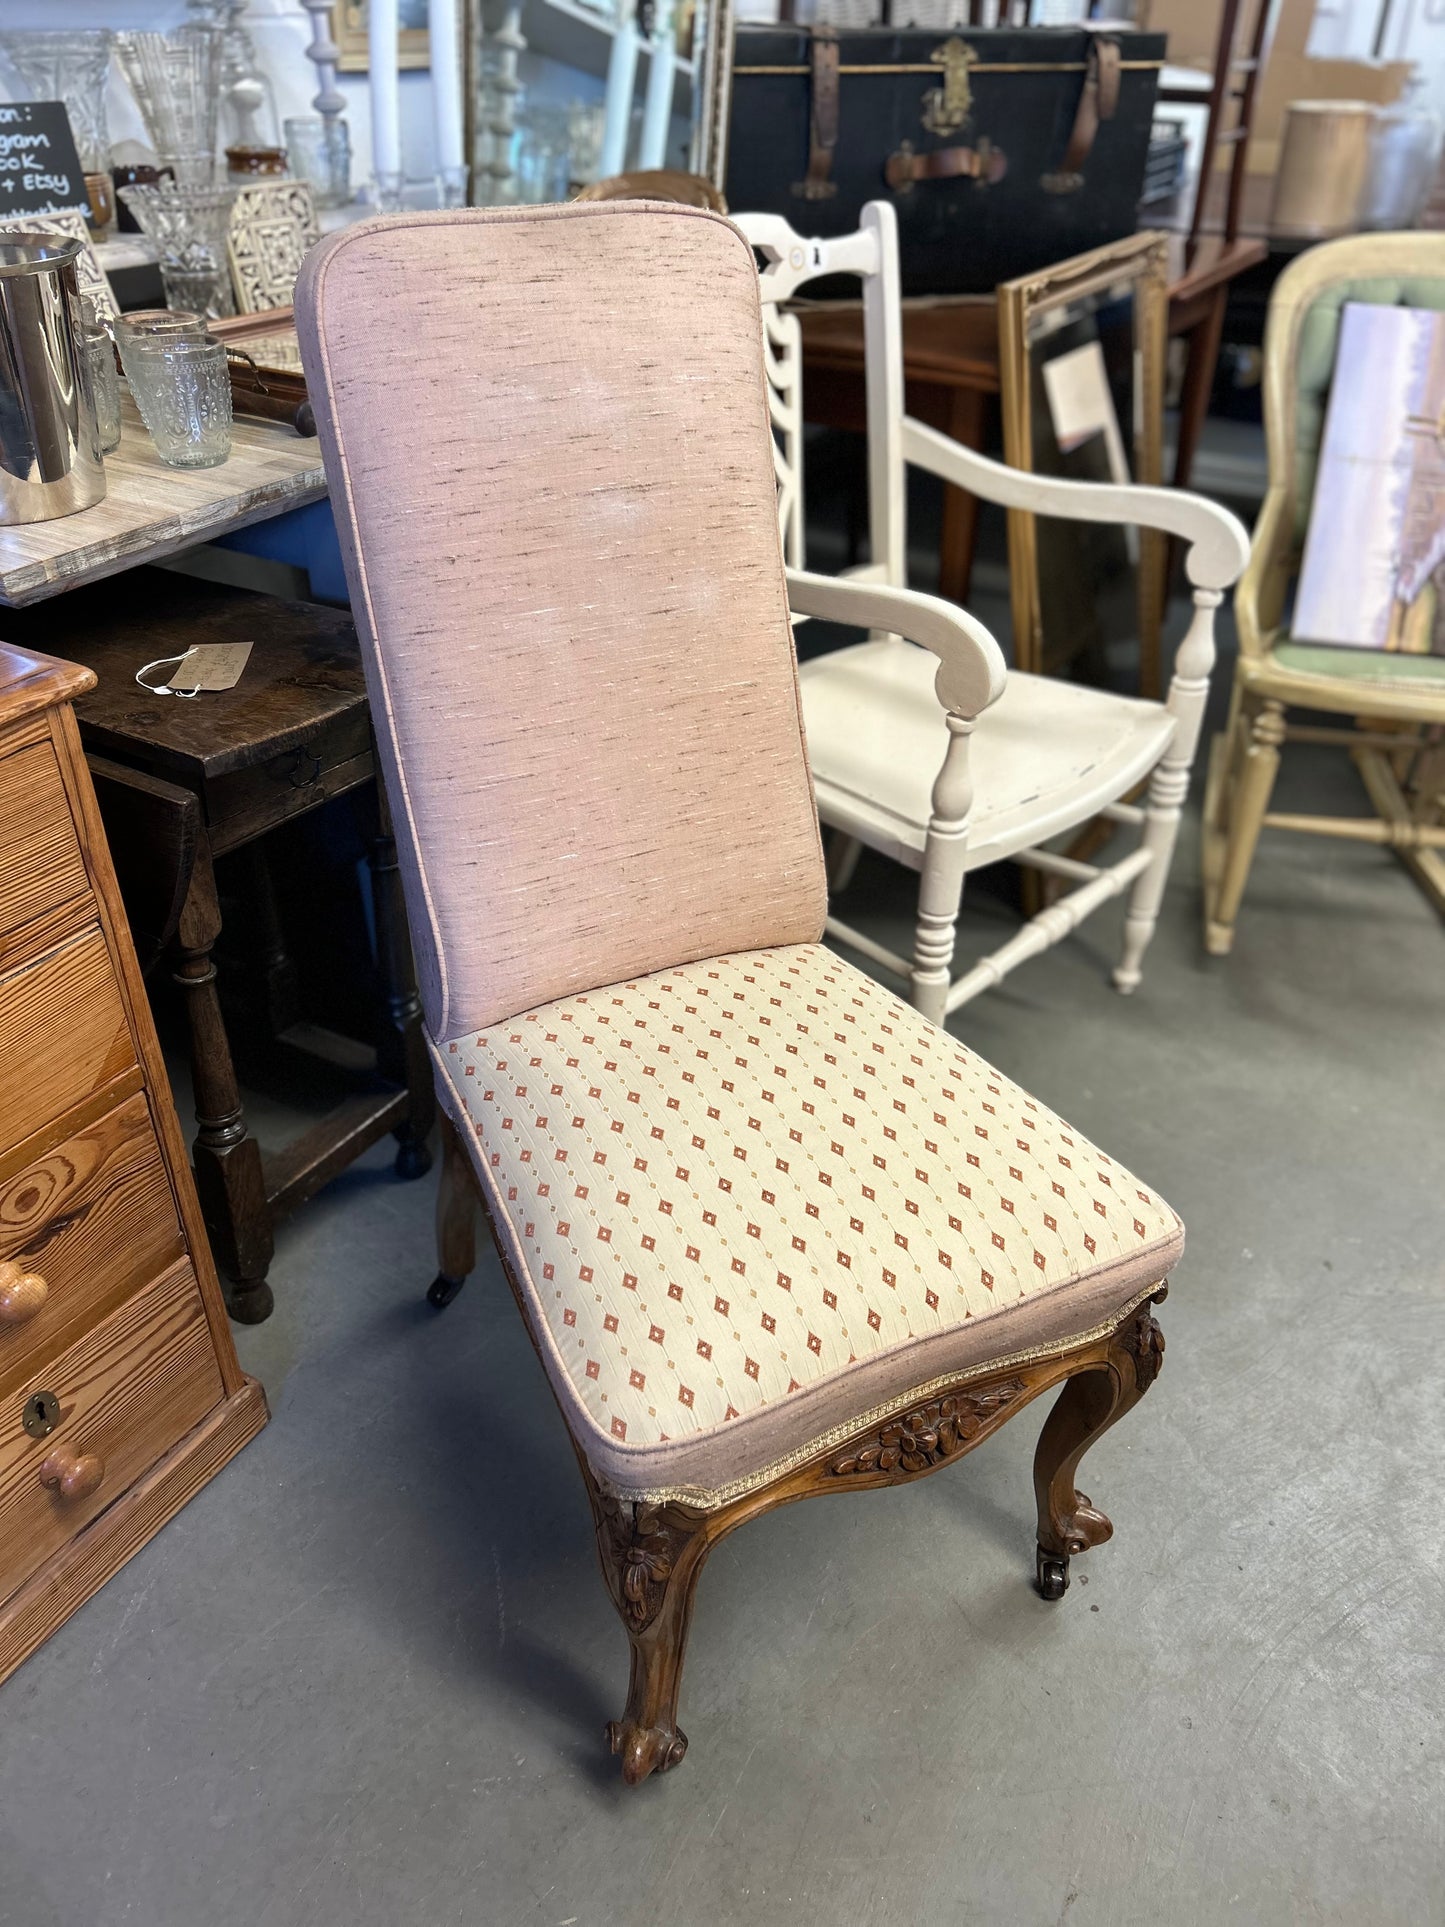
(50, 461)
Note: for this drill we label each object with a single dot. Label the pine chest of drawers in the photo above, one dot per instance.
(120, 1394)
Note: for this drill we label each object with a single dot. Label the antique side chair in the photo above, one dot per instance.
(771, 1231)
(1391, 705)
(1051, 754)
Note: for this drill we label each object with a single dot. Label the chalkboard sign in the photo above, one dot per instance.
(40, 170)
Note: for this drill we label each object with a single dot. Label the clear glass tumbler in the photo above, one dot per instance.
(148, 325)
(182, 388)
(104, 384)
(144, 324)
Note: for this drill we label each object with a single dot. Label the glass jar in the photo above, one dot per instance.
(320, 152)
(245, 164)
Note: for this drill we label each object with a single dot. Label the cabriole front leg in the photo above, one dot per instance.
(652, 1557)
(1089, 1404)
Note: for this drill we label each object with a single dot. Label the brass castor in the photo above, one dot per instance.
(645, 1749)
(442, 1290)
(1053, 1579)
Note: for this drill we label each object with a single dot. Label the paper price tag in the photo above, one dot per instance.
(212, 665)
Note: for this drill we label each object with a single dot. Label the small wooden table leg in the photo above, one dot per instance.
(1202, 356)
(229, 1177)
(402, 1054)
(967, 419)
(276, 993)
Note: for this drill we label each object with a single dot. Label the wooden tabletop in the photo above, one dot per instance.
(152, 511)
(951, 341)
(303, 678)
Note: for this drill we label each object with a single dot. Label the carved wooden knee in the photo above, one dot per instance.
(651, 1559)
(1088, 1405)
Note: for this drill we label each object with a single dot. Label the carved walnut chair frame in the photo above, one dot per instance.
(652, 1548)
(652, 1555)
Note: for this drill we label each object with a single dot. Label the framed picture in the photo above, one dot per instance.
(1373, 575)
(351, 32)
(1081, 355)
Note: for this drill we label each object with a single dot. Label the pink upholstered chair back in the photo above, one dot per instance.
(547, 440)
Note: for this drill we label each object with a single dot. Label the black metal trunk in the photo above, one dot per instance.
(1003, 150)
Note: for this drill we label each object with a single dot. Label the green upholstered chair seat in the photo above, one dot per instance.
(1360, 665)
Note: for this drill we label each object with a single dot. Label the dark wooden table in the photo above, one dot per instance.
(951, 379)
(951, 374)
(183, 783)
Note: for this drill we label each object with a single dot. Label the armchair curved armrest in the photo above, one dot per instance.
(971, 669)
(1218, 545)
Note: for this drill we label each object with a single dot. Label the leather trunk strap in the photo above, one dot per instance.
(984, 164)
(1098, 101)
(822, 117)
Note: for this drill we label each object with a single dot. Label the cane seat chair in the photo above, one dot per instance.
(1396, 701)
(1049, 756)
(771, 1231)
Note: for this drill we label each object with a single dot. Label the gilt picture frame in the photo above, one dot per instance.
(351, 36)
(1044, 307)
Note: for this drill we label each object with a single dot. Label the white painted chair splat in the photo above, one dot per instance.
(906, 760)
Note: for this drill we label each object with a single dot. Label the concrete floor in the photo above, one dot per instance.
(361, 1680)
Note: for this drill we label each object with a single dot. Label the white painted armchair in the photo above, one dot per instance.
(890, 745)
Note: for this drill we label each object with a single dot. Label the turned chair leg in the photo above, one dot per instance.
(652, 1557)
(402, 1053)
(457, 1209)
(1088, 1405)
(1247, 802)
(1169, 785)
(1167, 790)
(940, 881)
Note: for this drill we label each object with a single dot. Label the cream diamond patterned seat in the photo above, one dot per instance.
(746, 1198)
(772, 1232)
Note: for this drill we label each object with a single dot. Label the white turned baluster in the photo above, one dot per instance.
(940, 888)
(508, 44)
(324, 53)
(1169, 785)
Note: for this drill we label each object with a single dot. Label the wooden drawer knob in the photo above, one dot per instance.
(74, 1475)
(22, 1293)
